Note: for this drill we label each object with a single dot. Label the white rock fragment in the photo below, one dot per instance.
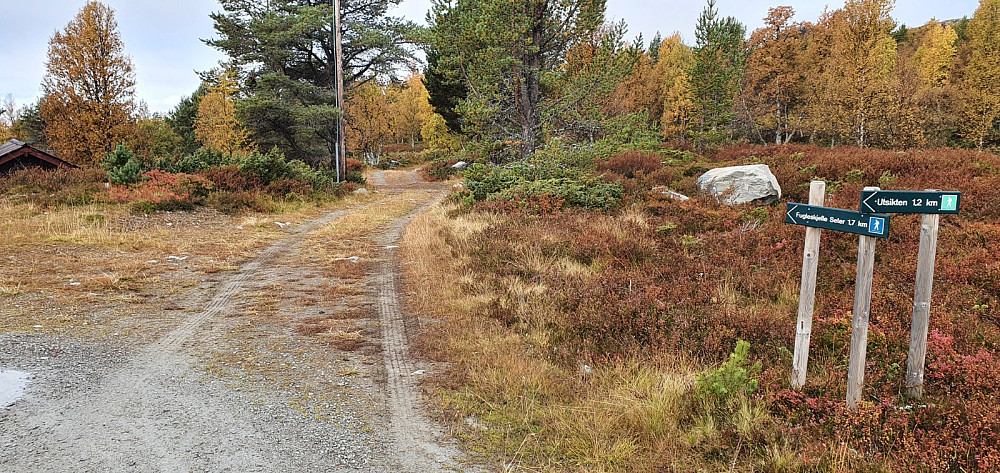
(741, 184)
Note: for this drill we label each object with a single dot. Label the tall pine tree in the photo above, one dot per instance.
(719, 58)
(285, 49)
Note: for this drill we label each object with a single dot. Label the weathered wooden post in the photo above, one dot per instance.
(930, 203)
(807, 291)
(869, 226)
(921, 305)
(859, 322)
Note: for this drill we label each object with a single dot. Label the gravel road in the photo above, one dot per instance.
(226, 389)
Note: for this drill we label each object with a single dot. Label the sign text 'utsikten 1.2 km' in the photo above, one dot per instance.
(910, 202)
(874, 225)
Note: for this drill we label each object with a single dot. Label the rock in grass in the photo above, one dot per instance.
(669, 193)
(741, 184)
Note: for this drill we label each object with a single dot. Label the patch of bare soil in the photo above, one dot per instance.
(292, 358)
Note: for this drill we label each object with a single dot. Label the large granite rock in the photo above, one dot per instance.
(741, 184)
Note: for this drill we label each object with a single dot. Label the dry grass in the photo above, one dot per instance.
(539, 413)
(89, 258)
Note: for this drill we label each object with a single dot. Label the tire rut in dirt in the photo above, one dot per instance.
(420, 444)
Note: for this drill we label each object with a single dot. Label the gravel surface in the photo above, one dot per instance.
(225, 381)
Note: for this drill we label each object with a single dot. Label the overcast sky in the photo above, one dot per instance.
(164, 37)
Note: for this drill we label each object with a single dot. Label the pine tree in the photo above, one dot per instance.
(502, 50)
(89, 87)
(719, 59)
(286, 48)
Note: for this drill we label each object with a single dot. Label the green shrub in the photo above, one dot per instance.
(735, 377)
(855, 176)
(591, 193)
(122, 167)
(355, 177)
(268, 167)
(695, 170)
(200, 160)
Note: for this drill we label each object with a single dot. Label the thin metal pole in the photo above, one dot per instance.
(339, 55)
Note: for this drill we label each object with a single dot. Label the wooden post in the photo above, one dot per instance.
(859, 324)
(921, 306)
(807, 292)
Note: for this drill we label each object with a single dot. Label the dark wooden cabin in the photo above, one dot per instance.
(16, 155)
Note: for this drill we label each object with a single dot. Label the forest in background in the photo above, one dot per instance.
(502, 79)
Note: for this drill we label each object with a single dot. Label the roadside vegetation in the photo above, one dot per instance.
(656, 334)
(590, 317)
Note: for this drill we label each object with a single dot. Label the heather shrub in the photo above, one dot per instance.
(289, 188)
(696, 277)
(439, 170)
(632, 164)
(51, 188)
(232, 178)
(235, 203)
(354, 165)
(164, 191)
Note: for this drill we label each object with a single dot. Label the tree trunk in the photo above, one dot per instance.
(531, 84)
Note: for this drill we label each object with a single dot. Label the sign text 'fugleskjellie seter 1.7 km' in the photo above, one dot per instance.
(910, 202)
(873, 225)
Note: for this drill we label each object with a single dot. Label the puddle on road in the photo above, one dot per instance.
(12, 385)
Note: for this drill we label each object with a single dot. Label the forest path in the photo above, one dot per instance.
(296, 361)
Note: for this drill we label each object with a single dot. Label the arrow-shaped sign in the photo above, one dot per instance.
(869, 224)
(788, 215)
(910, 202)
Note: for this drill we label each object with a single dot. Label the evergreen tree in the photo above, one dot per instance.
(446, 88)
(719, 58)
(286, 47)
(505, 50)
(182, 117)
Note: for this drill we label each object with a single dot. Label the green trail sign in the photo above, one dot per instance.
(868, 224)
(910, 202)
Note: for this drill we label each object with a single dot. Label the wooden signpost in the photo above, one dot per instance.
(930, 203)
(870, 224)
(859, 319)
(807, 292)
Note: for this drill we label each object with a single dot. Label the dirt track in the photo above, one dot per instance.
(280, 365)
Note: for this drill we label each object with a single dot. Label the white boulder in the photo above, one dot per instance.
(741, 184)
